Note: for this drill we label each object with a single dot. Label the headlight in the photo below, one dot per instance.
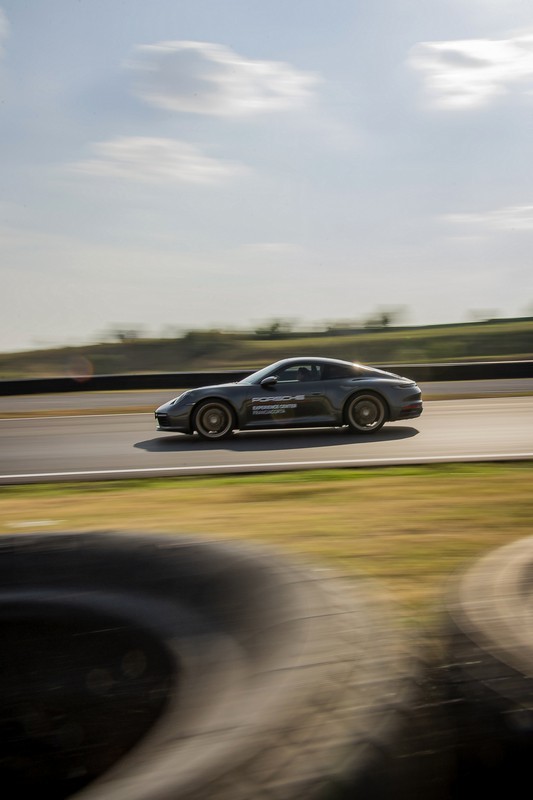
(180, 397)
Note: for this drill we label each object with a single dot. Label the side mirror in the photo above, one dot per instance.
(270, 380)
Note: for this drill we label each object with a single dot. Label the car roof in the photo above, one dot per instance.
(315, 360)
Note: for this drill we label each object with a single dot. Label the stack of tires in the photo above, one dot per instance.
(156, 667)
(487, 677)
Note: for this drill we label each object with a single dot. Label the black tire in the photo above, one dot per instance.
(213, 420)
(365, 412)
(489, 671)
(154, 667)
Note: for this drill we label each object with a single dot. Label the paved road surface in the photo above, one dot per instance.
(127, 445)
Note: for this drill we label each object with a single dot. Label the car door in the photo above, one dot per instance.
(291, 401)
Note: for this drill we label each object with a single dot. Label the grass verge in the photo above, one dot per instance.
(412, 528)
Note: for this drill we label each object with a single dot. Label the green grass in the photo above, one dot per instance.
(206, 350)
(411, 528)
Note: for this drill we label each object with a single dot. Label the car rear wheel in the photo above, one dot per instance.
(214, 420)
(366, 413)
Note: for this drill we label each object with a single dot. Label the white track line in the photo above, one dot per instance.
(276, 465)
(44, 417)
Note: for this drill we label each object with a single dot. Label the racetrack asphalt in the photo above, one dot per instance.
(110, 446)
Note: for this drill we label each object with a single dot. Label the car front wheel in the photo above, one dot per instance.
(214, 420)
(366, 413)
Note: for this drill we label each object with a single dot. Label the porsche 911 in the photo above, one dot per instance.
(295, 393)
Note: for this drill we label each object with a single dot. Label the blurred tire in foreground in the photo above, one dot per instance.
(142, 667)
(489, 672)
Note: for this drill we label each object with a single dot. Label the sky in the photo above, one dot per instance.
(180, 164)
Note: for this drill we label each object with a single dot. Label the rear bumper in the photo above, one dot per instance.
(411, 410)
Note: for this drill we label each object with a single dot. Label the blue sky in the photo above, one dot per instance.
(191, 163)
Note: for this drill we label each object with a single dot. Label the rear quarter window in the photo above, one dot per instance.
(337, 372)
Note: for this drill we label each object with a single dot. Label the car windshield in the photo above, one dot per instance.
(257, 377)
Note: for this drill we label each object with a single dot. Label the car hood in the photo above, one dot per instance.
(217, 386)
(171, 403)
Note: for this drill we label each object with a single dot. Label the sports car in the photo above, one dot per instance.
(295, 393)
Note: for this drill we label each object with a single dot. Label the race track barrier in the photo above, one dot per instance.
(426, 373)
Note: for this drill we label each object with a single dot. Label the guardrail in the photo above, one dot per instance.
(458, 371)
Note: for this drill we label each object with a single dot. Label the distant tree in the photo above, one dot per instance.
(385, 317)
(275, 329)
(124, 335)
(482, 314)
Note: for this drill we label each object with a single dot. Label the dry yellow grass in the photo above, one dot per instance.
(410, 528)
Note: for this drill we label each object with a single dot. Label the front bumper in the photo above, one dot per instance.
(165, 422)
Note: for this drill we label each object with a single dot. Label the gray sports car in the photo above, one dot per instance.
(295, 393)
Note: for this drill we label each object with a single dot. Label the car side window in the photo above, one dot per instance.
(338, 371)
(298, 373)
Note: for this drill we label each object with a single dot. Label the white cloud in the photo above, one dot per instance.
(471, 73)
(205, 78)
(155, 160)
(512, 218)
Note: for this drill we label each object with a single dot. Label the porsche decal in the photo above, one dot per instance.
(285, 399)
(276, 405)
